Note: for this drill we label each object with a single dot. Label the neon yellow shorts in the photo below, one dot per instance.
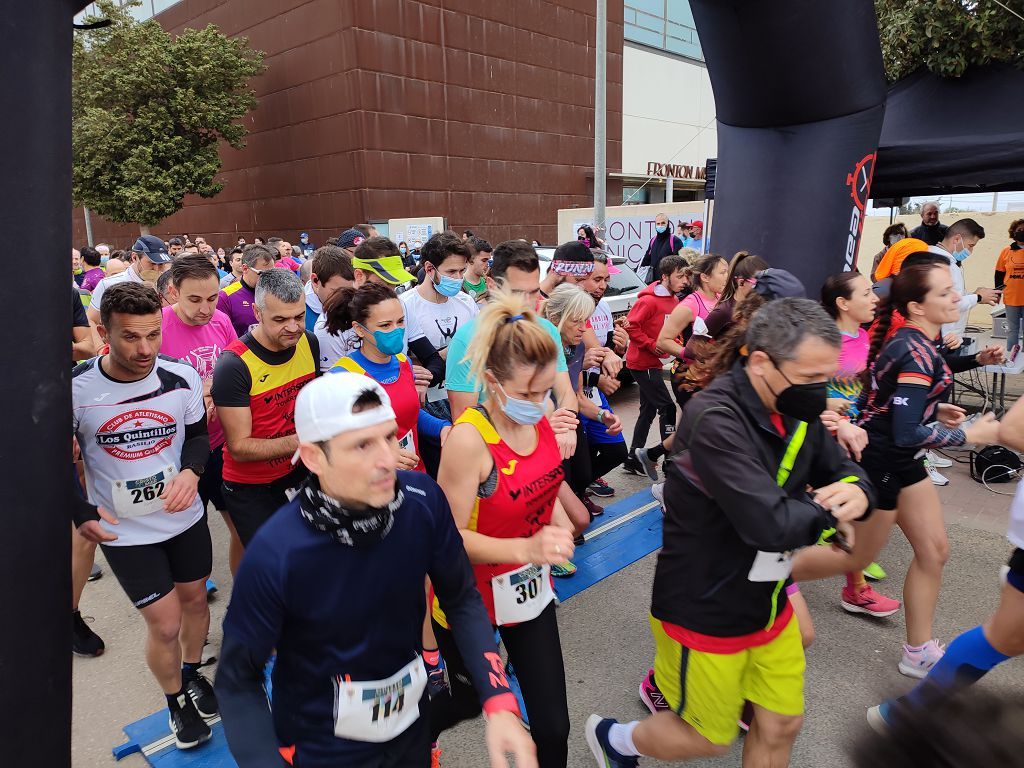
(707, 690)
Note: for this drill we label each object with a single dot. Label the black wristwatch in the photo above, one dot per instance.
(197, 469)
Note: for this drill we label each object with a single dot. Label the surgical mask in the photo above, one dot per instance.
(661, 229)
(403, 250)
(803, 402)
(417, 246)
(149, 276)
(962, 254)
(387, 342)
(525, 412)
(893, 239)
(448, 286)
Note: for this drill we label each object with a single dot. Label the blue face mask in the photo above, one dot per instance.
(448, 286)
(661, 230)
(388, 342)
(525, 412)
(961, 255)
(403, 250)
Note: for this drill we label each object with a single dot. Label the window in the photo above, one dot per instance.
(147, 10)
(665, 24)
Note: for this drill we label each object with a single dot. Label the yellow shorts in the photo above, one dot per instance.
(707, 690)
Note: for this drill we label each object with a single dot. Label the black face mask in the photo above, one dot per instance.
(803, 402)
(1019, 235)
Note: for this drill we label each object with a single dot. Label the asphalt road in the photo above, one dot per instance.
(607, 646)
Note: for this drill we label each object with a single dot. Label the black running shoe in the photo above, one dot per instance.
(84, 642)
(632, 466)
(437, 678)
(96, 573)
(188, 726)
(201, 692)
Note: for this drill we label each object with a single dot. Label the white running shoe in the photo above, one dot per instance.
(940, 462)
(658, 491)
(937, 477)
(918, 663)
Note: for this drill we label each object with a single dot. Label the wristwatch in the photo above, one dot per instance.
(197, 469)
(601, 413)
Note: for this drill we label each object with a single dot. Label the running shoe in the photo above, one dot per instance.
(187, 725)
(874, 572)
(595, 510)
(596, 733)
(437, 678)
(658, 492)
(917, 662)
(563, 570)
(600, 488)
(84, 642)
(513, 684)
(867, 600)
(633, 467)
(651, 695)
(650, 466)
(937, 477)
(878, 718)
(937, 461)
(96, 573)
(201, 692)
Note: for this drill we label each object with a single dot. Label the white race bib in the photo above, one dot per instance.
(522, 594)
(771, 566)
(406, 442)
(594, 395)
(141, 496)
(379, 710)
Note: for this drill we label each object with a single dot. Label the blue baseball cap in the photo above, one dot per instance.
(153, 249)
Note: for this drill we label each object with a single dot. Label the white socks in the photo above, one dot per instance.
(620, 736)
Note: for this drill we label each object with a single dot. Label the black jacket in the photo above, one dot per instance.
(660, 246)
(729, 496)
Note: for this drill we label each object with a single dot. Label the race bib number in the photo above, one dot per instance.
(594, 395)
(141, 496)
(522, 594)
(406, 442)
(771, 566)
(379, 710)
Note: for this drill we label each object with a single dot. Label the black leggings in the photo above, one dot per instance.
(655, 400)
(535, 652)
(577, 467)
(604, 457)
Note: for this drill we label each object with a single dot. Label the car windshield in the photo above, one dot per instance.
(625, 281)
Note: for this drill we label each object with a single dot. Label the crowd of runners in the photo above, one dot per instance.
(407, 444)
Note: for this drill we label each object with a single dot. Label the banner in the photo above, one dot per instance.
(629, 236)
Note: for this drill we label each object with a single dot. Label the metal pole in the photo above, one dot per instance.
(704, 232)
(88, 226)
(995, 201)
(668, 189)
(600, 117)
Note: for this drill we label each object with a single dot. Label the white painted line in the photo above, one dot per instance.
(613, 524)
(168, 740)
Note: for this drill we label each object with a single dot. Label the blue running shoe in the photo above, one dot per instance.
(437, 678)
(596, 733)
(513, 683)
(880, 718)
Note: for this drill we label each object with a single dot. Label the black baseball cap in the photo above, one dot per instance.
(779, 284)
(153, 249)
(350, 238)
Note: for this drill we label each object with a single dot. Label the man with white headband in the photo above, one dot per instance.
(334, 582)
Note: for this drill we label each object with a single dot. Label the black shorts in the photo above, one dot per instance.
(251, 505)
(211, 482)
(890, 472)
(147, 572)
(1016, 575)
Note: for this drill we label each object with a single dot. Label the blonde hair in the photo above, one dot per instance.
(567, 304)
(507, 335)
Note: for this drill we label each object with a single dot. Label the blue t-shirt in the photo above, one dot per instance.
(332, 610)
(457, 376)
(596, 431)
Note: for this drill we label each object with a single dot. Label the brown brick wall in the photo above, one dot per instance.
(478, 110)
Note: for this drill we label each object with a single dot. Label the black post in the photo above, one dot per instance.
(35, 358)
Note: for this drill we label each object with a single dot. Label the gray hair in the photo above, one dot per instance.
(568, 303)
(779, 327)
(305, 271)
(281, 284)
(255, 252)
(163, 284)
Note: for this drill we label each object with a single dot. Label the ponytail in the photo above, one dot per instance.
(879, 333)
(349, 306)
(508, 335)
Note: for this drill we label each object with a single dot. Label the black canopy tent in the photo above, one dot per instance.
(945, 136)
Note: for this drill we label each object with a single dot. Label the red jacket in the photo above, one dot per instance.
(645, 321)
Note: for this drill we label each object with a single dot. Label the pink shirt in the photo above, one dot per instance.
(199, 346)
(700, 305)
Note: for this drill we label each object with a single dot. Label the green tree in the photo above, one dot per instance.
(149, 112)
(947, 36)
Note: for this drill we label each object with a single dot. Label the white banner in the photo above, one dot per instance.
(629, 236)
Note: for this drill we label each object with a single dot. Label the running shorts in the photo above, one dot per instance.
(1015, 577)
(891, 472)
(707, 690)
(210, 484)
(251, 505)
(148, 572)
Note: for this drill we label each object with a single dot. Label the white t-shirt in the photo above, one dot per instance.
(602, 321)
(333, 348)
(1016, 532)
(128, 276)
(131, 434)
(436, 322)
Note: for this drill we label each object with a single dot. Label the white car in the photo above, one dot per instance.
(623, 288)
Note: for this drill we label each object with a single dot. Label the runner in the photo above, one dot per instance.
(149, 258)
(196, 332)
(348, 683)
(254, 388)
(235, 263)
(238, 300)
(474, 282)
(331, 270)
(141, 424)
(907, 380)
(501, 471)
(643, 358)
(750, 446)
(707, 279)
